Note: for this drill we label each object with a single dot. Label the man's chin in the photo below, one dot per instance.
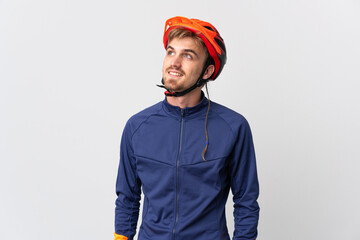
(172, 88)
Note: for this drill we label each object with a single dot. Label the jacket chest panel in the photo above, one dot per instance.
(162, 139)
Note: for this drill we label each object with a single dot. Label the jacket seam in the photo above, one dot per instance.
(232, 130)
(154, 160)
(207, 160)
(142, 122)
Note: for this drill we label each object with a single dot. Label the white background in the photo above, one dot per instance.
(73, 72)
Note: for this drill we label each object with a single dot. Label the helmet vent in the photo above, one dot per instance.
(209, 28)
(221, 44)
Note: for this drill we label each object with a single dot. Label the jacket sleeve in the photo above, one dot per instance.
(128, 189)
(244, 185)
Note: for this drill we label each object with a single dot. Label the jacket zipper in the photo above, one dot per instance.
(177, 173)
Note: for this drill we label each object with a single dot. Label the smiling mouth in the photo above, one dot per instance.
(175, 74)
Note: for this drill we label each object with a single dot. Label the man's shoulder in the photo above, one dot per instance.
(227, 114)
(153, 109)
(138, 118)
(234, 120)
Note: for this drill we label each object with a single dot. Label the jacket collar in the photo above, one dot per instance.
(188, 112)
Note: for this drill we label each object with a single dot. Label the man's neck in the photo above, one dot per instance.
(188, 100)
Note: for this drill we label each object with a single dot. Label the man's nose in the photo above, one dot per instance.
(176, 61)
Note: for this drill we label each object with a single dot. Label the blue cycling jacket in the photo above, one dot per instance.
(184, 196)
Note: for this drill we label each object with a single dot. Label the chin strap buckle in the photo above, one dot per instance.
(171, 94)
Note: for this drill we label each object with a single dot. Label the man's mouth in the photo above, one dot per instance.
(175, 74)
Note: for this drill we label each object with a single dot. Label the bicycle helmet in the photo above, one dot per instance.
(207, 32)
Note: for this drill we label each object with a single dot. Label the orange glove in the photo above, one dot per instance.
(119, 237)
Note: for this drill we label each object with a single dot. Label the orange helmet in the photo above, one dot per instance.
(207, 32)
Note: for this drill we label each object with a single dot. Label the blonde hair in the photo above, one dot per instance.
(182, 32)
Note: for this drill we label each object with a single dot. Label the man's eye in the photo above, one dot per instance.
(170, 53)
(188, 56)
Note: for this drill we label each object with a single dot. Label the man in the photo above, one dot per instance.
(186, 152)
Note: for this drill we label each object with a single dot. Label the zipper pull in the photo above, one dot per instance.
(182, 112)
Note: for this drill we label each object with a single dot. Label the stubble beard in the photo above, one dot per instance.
(174, 85)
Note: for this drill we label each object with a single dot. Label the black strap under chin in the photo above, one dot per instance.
(169, 93)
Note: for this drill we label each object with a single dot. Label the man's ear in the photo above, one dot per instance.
(209, 71)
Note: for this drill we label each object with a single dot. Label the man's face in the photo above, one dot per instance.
(183, 64)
